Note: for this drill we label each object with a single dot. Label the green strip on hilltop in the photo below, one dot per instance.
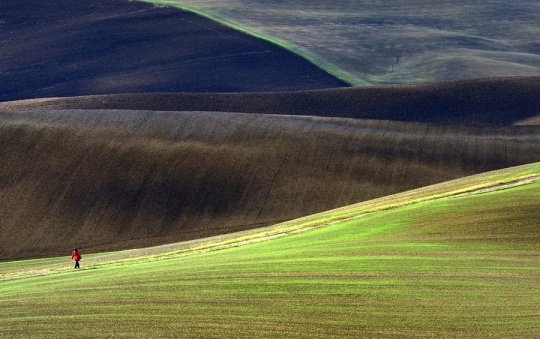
(317, 61)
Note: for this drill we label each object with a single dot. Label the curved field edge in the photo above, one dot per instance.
(432, 268)
(476, 184)
(317, 61)
(486, 102)
(135, 179)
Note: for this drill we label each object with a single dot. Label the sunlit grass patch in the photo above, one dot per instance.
(412, 269)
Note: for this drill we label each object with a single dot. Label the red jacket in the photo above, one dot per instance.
(75, 255)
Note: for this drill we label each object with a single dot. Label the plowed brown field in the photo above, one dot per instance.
(110, 179)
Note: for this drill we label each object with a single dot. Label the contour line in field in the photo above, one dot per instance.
(170, 251)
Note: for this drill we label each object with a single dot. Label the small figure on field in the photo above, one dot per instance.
(75, 255)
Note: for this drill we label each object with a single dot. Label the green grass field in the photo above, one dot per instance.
(460, 258)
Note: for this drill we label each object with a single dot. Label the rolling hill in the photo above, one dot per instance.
(111, 179)
(394, 41)
(491, 102)
(205, 161)
(69, 48)
(118, 171)
(454, 259)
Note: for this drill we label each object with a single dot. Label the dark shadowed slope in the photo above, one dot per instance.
(495, 101)
(115, 179)
(67, 48)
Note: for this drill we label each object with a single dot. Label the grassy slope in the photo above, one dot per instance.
(421, 264)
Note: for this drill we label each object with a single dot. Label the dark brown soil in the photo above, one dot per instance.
(111, 179)
(495, 101)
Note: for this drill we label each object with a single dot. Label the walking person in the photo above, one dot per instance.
(75, 255)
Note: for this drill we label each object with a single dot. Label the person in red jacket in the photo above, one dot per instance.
(75, 255)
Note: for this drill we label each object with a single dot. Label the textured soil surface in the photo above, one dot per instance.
(109, 179)
(396, 41)
(492, 101)
(105, 172)
(66, 48)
